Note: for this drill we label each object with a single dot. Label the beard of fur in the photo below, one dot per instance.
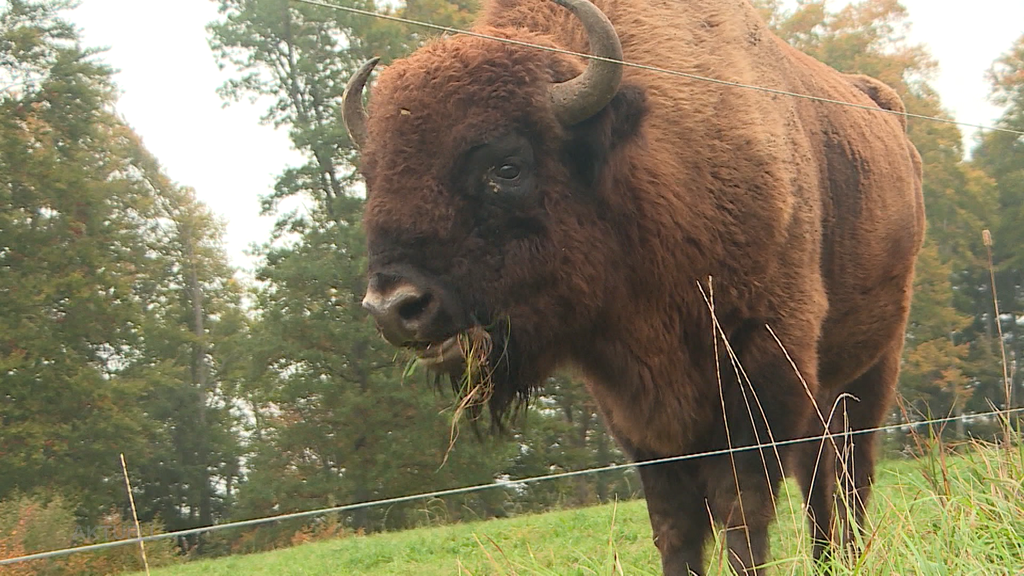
(492, 377)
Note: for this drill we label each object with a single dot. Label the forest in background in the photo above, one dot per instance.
(123, 329)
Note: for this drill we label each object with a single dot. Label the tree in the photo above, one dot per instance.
(933, 380)
(866, 37)
(190, 363)
(1000, 155)
(114, 296)
(301, 57)
(72, 222)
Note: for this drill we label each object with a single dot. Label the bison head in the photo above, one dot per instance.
(490, 170)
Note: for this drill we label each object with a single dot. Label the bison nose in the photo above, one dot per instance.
(402, 313)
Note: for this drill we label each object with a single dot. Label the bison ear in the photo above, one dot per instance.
(593, 141)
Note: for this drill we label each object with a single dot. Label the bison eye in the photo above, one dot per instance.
(507, 171)
(501, 170)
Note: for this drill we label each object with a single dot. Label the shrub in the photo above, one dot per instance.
(30, 524)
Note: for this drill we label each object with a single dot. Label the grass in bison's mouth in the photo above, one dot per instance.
(474, 386)
(465, 360)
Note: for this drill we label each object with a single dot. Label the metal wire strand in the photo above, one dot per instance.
(489, 486)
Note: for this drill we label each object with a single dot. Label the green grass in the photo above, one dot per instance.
(961, 515)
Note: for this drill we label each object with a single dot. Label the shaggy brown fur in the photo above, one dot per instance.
(801, 216)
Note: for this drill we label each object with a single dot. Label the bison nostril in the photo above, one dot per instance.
(403, 313)
(410, 311)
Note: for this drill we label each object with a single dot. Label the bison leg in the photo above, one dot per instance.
(679, 519)
(766, 403)
(747, 513)
(871, 394)
(816, 475)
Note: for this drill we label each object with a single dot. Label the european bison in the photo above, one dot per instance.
(565, 211)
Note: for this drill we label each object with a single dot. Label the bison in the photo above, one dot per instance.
(719, 264)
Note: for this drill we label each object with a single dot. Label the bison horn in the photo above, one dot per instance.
(352, 112)
(585, 95)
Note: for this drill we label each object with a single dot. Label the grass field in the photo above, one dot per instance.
(961, 515)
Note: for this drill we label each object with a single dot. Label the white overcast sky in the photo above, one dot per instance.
(168, 77)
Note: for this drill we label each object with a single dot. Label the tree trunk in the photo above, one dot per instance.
(200, 381)
(603, 459)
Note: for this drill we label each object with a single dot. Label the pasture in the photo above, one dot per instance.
(937, 515)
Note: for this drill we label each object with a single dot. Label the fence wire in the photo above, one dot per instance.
(492, 486)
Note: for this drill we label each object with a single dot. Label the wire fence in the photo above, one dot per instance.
(497, 485)
(651, 68)
(560, 475)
